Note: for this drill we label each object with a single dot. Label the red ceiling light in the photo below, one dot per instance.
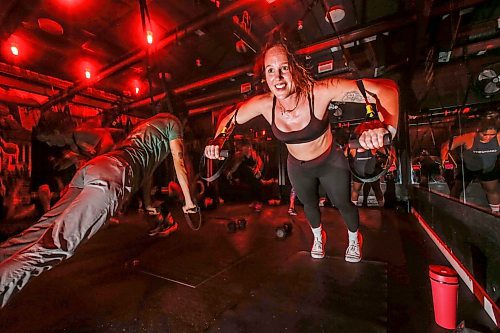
(270, 1)
(149, 37)
(86, 69)
(14, 50)
(300, 24)
(136, 86)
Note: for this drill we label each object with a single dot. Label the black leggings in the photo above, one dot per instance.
(331, 171)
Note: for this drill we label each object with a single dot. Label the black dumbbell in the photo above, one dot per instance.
(231, 226)
(284, 231)
(241, 224)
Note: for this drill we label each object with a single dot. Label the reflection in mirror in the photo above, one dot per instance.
(375, 173)
(455, 152)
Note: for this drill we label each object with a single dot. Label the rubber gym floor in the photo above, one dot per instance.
(213, 280)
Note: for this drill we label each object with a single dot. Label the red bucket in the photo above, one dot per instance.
(444, 283)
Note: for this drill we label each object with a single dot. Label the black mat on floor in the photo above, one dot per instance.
(309, 295)
(193, 262)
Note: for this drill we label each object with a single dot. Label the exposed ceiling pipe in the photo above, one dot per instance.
(214, 106)
(138, 54)
(9, 98)
(475, 48)
(381, 27)
(195, 85)
(214, 79)
(345, 38)
(145, 101)
(19, 84)
(44, 82)
(220, 94)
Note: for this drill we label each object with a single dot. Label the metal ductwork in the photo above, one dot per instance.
(214, 106)
(218, 95)
(214, 79)
(139, 54)
(26, 80)
(9, 98)
(196, 85)
(347, 37)
(385, 26)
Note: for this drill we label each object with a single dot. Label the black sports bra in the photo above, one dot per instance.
(313, 130)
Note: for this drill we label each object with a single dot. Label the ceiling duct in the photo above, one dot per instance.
(139, 54)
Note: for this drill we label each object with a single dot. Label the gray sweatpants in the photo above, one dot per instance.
(94, 194)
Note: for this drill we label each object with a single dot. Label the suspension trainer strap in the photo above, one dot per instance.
(371, 112)
(220, 140)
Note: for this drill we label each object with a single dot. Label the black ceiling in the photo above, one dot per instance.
(195, 44)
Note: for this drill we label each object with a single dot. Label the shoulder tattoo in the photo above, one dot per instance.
(353, 96)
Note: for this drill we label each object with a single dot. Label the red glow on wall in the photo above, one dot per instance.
(70, 3)
(270, 1)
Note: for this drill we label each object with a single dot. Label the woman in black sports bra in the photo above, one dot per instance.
(480, 160)
(296, 108)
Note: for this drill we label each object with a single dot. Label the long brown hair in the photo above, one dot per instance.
(300, 76)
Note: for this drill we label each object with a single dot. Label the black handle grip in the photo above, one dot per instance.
(355, 143)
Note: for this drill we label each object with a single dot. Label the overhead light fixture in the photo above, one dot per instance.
(149, 37)
(14, 50)
(50, 26)
(300, 25)
(87, 73)
(337, 13)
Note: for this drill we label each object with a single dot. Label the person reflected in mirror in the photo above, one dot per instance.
(480, 151)
(246, 168)
(429, 167)
(296, 107)
(367, 161)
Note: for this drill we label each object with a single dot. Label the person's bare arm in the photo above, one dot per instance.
(456, 142)
(177, 148)
(259, 164)
(383, 92)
